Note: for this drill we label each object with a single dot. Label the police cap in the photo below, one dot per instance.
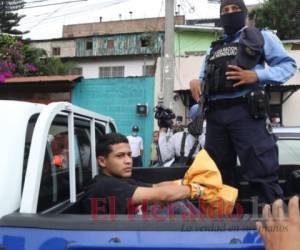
(250, 49)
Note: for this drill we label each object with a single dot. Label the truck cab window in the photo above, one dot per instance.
(55, 182)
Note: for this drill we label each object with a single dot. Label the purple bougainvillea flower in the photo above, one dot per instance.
(12, 66)
(7, 74)
(2, 79)
(30, 67)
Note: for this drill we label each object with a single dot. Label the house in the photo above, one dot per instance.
(110, 49)
(117, 60)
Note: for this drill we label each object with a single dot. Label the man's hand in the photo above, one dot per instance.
(243, 77)
(195, 89)
(278, 231)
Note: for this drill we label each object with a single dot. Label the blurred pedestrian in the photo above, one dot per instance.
(136, 146)
(154, 149)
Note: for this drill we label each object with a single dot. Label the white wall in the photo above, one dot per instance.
(133, 67)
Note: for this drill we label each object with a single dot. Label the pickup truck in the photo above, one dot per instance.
(48, 156)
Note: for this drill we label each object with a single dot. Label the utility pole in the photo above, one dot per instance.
(169, 59)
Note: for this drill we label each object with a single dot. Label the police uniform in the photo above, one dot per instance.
(231, 130)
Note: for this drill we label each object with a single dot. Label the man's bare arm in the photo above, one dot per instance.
(166, 193)
(165, 183)
(195, 89)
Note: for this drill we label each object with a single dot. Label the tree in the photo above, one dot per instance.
(8, 16)
(283, 16)
(18, 58)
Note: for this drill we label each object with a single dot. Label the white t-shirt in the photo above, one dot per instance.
(136, 145)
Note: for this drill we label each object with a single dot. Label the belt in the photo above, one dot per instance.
(226, 103)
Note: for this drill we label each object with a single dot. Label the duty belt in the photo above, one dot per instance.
(226, 103)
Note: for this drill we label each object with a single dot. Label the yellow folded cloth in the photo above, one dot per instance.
(204, 171)
(214, 195)
(221, 205)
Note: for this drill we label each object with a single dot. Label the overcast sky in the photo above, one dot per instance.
(47, 22)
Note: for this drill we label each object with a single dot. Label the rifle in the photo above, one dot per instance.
(196, 126)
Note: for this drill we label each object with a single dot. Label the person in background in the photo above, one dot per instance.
(154, 149)
(234, 75)
(136, 146)
(181, 146)
(178, 126)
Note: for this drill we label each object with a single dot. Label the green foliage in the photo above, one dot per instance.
(9, 18)
(283, 16)
(18, 58)
(54, 66)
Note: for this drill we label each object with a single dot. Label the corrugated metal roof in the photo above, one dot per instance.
(44, 79)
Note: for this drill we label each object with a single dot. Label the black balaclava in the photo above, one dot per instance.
(233, 22)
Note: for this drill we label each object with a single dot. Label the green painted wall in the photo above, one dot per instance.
(117, 98)
(193, 41)
(124, 44)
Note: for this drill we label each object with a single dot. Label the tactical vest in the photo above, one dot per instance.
(220, 57)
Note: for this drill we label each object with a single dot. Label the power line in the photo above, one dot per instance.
(44, 5)
(49, 14)
(111, 3)
(108, 4)
(40, 22)
(38, 1)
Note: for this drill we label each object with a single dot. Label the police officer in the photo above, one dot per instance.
(180, 147)
(234, 74)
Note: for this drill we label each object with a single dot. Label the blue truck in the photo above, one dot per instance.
(47, 157)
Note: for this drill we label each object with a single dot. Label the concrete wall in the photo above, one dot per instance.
(67, 47)
(186, 69)
(117, 98)
(118, 27)
(133, 66)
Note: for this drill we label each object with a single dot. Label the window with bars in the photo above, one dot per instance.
(108, 72)
(148, 70)
(110, 44)
(89, 45)
(146, 41)
(56, 51)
